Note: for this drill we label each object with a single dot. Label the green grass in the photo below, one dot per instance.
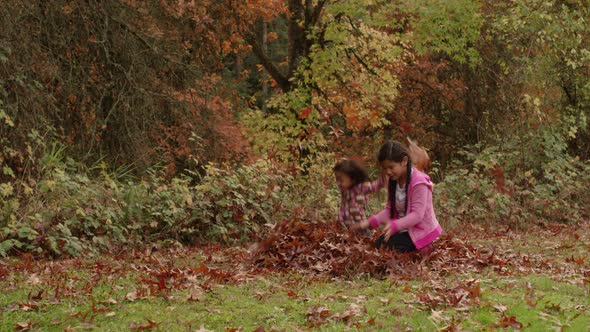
(113, 294)
(289, 302)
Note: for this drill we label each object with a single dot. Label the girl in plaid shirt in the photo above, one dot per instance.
(354, 185)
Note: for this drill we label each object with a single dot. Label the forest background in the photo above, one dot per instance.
(125, 123)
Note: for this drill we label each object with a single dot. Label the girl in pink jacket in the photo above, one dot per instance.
(410, 222)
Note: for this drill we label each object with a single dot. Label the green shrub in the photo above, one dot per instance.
(493, 185)
(68, 209)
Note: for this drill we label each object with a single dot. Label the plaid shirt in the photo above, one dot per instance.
(353, 206)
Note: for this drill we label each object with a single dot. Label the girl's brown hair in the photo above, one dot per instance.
(353, 169)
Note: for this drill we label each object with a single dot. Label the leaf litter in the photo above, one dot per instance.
(315, 249)
(318, 248)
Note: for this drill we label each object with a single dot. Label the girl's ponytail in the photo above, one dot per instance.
(409, 177)
(391, 187)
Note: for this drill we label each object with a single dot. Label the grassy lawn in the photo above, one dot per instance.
(540, 286)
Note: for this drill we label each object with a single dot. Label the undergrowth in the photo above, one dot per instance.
(53, 205)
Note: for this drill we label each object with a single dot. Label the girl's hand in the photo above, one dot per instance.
(358, 226)
(389, 229)
(387, 232)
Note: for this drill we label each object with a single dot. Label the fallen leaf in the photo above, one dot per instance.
(234, 329)
(132, 296)
(28, 306)
(24, 326)
(349, 314)
(142, 327)
(195, 296)
(474, 291)
(318, 314)
(213, 311)
(578, 260)
(437, 316)
(33, 279)
(452, 327)
(500, 308)
(509, 321)
(37, 296)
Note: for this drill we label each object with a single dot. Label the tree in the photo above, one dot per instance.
(119, 80)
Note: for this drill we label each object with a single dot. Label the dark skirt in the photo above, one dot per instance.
(400, 242)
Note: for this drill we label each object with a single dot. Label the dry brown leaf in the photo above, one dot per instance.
(24, 326)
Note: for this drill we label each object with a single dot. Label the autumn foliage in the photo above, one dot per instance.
(165, 152)
(117, 116)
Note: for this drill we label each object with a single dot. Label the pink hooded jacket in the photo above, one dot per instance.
(420, 221)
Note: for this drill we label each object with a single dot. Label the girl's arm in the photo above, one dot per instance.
(379, 218)
(418, 208)
(343, 213)
(371, 186)
(374, 221)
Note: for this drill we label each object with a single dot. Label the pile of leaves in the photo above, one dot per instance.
(321, 248)
(327, 249)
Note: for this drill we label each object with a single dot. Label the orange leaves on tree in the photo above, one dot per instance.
(234, 44)
(209, 130)
(424, 86)
(232, 21)
(263, 9)
(272, 36)
(374, 116)
(352, 117)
